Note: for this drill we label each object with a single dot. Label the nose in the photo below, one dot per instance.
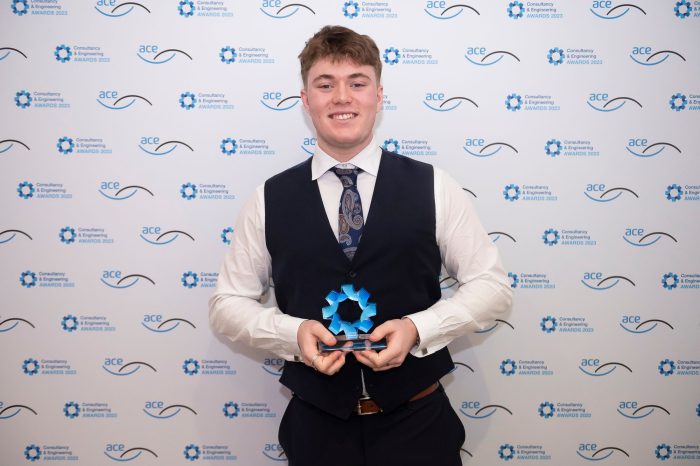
(342, 95)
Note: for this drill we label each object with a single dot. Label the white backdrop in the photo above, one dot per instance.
(571, 125)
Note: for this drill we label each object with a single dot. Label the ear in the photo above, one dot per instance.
(380, 97)
(304, 98)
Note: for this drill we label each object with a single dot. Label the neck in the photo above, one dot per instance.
(341, 155)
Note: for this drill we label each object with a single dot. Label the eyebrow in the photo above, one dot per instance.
(331, 77)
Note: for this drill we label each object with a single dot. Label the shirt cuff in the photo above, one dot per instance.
(287, 330)
(428, 326)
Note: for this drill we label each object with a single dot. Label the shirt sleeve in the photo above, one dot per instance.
(471, 258)
(235, 308)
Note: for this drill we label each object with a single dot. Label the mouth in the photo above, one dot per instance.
(342, 116)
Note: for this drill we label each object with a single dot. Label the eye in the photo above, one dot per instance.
(358, 85)
(323, 86)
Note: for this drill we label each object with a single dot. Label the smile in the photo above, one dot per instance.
(343, 116)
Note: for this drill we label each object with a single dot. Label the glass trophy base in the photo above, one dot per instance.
(362, 342)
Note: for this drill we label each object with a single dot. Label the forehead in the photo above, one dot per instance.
(339, 68)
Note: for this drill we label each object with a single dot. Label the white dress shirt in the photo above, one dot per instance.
(467, 254)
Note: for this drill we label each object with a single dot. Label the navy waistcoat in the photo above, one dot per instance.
(398, 262)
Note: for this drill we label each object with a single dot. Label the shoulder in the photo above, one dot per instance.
(291, 175)
(400, 162)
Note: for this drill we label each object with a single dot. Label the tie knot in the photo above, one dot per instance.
(348, 176)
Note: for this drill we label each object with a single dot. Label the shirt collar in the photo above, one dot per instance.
(367, 160)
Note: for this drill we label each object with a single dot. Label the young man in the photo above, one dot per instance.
(355, 214)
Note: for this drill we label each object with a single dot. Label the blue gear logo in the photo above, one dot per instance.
(508, 367)
(65, 145)
(228, 55)
(511, 192)
(553, 147)
(67, 235)
(391, 56)
(189, 279)
(191, 452)
(678, 102)
(31, 366)
(546, 410)
(71, 410)
(663, 452)
(69, 323)
(513, 279)
(682, 9)
(229, 146)
(23, 99)
(351, 9)
(190, 367)
(20, 7)
(506, 452)
(28, 279)
(63, 53)
(514, 102)
(32, 452)
(550, 237)
(188, 191)
(226, 235)
(25, 190)
(667, 367)
(670, 281)
(555, 56)
(674, 193)
(231, 410)
(187, 100)
(516, 10)
(391, 145)
(186, 8)
(548, 324)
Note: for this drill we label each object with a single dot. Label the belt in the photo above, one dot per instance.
(367, 406)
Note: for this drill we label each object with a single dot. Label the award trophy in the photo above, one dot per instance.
(352, 340)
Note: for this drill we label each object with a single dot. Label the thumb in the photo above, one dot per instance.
(380, 332)
(324, 335)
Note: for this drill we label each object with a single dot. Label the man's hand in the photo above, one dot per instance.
(309, 334)
(401, 335)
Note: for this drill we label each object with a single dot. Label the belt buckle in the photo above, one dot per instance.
(358, 408)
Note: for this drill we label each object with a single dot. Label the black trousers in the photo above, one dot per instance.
(425, 432)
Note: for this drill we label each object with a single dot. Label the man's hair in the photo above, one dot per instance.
(339, 43)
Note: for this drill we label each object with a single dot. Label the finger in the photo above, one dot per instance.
(321, 333)
(327, 360)
(381, 332)
(366, 357)
(335, 367)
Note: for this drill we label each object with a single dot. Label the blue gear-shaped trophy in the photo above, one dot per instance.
(338, 325)
(511, 192)
(31, 366)
(228, 54)
(351, 9)
(23, 99)
(508, 367)
(516, 10)
(191, 452)
(548, 324)
(189, 279)
(69, 323)
(675, 104)
(231, 410)
(186, 8)
(506, 452)
(27, 279)
(187, 100)
(550, 237)
(669, 281)
(682, 9)
(510, 105)
(71, 410)
(555, 56)
(225, 235)
(391, 56)
(663, 452)
(667, 367)
(32, 452)
(188, 191)
(20, 7)
(228, 146)
(546, 410)
(63, 53)
(25, 190)
(190, 366)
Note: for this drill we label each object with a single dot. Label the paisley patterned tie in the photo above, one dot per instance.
(350, 218)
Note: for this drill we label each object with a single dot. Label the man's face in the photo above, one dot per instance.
(342, 99)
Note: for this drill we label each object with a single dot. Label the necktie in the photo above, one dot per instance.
(350, 218)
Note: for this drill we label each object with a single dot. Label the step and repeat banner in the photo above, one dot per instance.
(132, 133)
